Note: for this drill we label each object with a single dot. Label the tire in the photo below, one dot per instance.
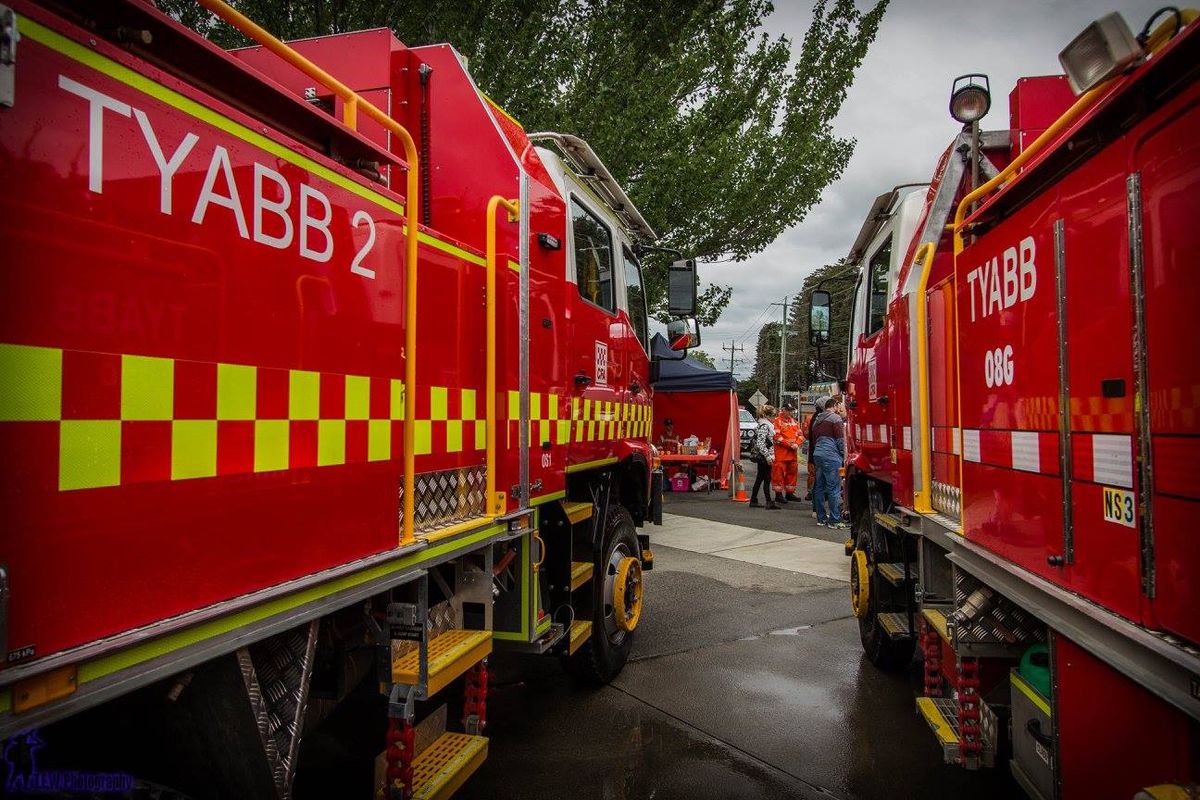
(604, 655)
(886, 653)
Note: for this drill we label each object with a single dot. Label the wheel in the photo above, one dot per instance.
(868, 591)
(616, 602)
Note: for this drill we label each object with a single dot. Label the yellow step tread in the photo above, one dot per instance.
(938, 620)
(450, 654)
(577, 510)
(581, 573)
(937, 720)
(581, 631)
(440, 769)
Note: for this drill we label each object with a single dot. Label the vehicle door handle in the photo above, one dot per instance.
(582, 380)
(882, 399)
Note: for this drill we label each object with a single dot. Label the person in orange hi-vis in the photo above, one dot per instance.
(788, 438)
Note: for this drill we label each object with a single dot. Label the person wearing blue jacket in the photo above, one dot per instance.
(829, 453)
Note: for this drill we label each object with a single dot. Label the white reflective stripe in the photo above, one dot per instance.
(970, 444)
(858, 432)
(907, 434)
(870, 432)
(883, 434)
(1026, 453)
(955, 445)
(1112, 460)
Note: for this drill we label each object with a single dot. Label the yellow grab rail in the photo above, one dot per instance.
(352, 103)
(921, 500)
(495, 504)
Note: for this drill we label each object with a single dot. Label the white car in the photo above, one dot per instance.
(746, 426)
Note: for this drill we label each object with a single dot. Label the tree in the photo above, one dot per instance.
(703, 357)
(715, 134)
(766, 360)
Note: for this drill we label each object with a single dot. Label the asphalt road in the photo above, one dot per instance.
(747, 681)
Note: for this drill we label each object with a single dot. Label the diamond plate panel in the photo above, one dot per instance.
(983, 616)
(276, 672)
(946, 499)
(447, 497)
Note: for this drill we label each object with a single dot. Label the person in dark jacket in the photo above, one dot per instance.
(762, 452)
(829, 453)
(811, 466)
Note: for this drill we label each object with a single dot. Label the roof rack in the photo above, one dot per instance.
(588, 166)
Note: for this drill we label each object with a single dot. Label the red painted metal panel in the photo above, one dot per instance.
(1115, 738)
(1168, 159)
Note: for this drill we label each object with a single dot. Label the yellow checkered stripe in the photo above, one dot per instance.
(561, 420)
(124, 418)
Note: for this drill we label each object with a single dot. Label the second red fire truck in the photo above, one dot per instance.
(1023, 394)
(319, 373)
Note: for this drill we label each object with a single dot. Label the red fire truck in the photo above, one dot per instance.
(1023, 395)
(317, 370)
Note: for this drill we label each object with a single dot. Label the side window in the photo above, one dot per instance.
(636, 298)
(593, 257)
(877, 286)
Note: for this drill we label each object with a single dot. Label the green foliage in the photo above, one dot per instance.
(703, 357)
(720, 133)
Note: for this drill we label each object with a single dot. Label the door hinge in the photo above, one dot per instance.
(9, 37)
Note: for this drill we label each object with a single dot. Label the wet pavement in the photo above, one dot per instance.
(747, 680)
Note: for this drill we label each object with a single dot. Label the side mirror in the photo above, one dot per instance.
(819, 309)
(683, 334)
(681, 288)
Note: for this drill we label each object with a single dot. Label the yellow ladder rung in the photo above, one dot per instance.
(581, 573)
(450, 654)
(581, 631)
(577, 511)
(440, 769)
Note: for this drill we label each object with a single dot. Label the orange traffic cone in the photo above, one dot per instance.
(741, 496)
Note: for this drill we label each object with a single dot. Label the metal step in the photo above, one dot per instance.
(942, 715)
(936, 617)
(889, 521)
(581, 573)
(895, 624)
(577, 510)
(581, 631)
(450, 654)
(894, 573)
(440, 769)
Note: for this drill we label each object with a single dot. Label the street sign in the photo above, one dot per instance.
(757, 399)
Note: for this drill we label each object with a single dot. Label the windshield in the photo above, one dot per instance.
(745, 416)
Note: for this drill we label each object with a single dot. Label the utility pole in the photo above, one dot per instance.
(731, 350)
(782, 347)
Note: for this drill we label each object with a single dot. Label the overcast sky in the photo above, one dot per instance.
(897, 110)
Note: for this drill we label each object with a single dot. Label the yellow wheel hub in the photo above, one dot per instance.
(627, 594)
(860, 583)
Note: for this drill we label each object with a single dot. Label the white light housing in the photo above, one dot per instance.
(970, 98)
(1105, 48)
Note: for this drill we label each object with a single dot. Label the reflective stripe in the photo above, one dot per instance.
(1026, 455)
(1112, 460)
(214, 419)
(970, 440)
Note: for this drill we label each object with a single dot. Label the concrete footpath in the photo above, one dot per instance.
(747, 680)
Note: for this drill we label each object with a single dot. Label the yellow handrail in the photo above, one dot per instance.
(351, 104)
(921, 499)
(495, 503)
